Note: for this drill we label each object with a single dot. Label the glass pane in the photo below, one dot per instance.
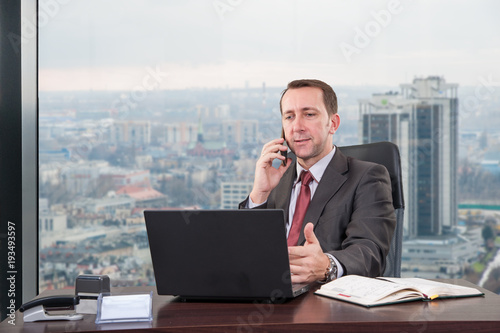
(166, 104)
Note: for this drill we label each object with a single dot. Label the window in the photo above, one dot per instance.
(151, 106)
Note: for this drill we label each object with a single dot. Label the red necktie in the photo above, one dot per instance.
(300, 208)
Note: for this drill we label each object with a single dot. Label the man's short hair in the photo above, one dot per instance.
(329, 96)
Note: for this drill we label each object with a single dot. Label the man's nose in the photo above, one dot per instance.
(298, 124)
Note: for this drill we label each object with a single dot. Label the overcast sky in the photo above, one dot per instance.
(119, 44)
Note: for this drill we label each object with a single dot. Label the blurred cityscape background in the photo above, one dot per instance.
(100, 167)
(166, 105)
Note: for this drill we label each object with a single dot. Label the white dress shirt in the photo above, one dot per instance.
(317, 171)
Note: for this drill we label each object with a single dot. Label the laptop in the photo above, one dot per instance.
(221, 254)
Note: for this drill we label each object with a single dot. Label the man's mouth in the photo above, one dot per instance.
(300, 140)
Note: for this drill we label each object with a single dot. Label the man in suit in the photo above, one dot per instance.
(349, 221)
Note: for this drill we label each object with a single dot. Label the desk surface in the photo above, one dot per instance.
(308, 312)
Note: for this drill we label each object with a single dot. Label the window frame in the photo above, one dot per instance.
(19, 151)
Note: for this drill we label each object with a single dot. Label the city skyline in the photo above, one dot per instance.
(108, 170)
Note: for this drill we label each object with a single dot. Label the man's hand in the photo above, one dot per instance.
(308, 263)
(266, 176)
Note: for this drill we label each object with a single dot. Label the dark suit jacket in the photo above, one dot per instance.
(351, 210)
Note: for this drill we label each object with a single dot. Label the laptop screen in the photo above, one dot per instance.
(239, 254)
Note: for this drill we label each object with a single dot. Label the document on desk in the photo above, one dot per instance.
(124, 308)
(382, 291)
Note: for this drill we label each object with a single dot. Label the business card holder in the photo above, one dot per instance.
(121, 308)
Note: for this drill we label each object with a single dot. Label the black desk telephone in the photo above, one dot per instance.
(36, 309)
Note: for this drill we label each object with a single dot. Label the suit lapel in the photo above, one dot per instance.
(332, 180)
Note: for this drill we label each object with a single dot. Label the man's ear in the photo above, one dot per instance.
(334, 123)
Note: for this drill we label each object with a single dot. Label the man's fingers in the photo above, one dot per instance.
(272, 143)
(274, 146)
(299, 273)
(271, 151)
(295, 251)
(282, 168)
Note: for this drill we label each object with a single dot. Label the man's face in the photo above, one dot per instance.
(308, 127)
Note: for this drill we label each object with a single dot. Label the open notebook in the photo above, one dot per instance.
(384, 290)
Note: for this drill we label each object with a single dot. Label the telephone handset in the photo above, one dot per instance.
(36, 309)
(284, 153)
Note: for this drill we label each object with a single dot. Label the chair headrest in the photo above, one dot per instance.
(387, 154)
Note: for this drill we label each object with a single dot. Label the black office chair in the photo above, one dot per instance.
(387, 154)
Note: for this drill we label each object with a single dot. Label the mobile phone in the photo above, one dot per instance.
(284, 153)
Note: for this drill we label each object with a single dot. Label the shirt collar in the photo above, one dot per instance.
(318, 169)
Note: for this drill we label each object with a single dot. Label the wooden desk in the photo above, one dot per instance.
(307, 313)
